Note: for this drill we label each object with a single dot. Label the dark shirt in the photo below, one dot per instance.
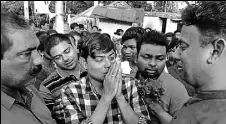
(207, 107)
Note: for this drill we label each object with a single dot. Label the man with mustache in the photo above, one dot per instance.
(129, 49)
(203, 56)
(103, 97)
(151, 59)
(20, 63)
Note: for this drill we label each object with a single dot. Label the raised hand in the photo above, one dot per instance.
(111, 81)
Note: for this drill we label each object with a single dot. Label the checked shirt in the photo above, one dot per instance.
(81, 100)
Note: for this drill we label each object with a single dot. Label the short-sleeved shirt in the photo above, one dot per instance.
(175, 94)
(54, 82)
(81, 99)
(207, 107)
(14, 111)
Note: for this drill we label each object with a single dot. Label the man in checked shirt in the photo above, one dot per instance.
(103, 96)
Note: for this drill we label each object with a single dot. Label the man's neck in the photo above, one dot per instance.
(96, 84)
(65, 73)
(214, 84)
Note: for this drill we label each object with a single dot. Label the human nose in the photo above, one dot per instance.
(107, 62)
(37, 58)
(65, 57)
(152, 62)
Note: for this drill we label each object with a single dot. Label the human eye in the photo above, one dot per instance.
(57, 57)
(67, 50)
(25, 55)
(145, 57)
(112, 57)
(161, 58)
(183, 46)
(99, 58)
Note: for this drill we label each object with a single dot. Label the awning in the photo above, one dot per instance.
(119, 13)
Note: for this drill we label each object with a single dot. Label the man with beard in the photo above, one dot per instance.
(203, 55)
(68, 68)
(103, 97)
(20, 63)
(151, 60)
(129, 49)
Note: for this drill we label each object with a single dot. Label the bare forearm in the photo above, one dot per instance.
(128, 114)
(100, 112)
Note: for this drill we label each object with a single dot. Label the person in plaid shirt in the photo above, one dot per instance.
(103, 96)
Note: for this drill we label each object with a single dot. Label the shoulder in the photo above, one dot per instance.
(50, 78)
(76, 86)
(170, 82)
(202, 111)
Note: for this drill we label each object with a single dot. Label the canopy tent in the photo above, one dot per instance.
(118, 10)
(119, 13)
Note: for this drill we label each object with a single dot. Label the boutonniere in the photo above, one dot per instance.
(151, 89)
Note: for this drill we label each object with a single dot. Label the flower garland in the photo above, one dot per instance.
(151, 89)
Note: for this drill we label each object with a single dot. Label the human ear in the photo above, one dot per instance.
(218, 50)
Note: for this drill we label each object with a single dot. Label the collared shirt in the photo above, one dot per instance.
(81, 99)
(31, 111)
(55, 81)
(207, 107)
(175, 94)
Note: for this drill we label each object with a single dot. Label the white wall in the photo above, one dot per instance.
(110, 28)
(170, 26)
(154, 23)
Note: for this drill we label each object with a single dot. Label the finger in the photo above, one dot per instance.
(110, 71)
(115, 70)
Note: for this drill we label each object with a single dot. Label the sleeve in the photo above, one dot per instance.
(178, 97)
(73, 114)
(138, 105)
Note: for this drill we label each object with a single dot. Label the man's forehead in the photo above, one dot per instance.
(152, 49)
(101, 53)
(188, 32)
(24, 39)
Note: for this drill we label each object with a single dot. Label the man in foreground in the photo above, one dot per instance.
(203, 55)
(20, 63)
(103, 96)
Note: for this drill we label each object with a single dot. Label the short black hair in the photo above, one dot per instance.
(81, 26)
(107, 35)
(96, 42)
(42, 36)
(51, 32)
(95, 27)
(42, 22)
(209, 17)
(169, 34)
(118, 31)
(133, 33)
(54, 40)
(152, 37)
(73, 25)
(75, 33)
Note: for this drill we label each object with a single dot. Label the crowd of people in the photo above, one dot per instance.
(77, 77)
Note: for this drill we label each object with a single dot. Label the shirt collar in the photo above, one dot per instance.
(6, 100)
(214, 94)
(79, 67)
